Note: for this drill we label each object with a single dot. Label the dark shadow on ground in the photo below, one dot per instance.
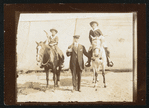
(66, 82)
(63, 89)
(32, 87)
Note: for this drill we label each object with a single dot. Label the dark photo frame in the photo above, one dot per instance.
(11, 18)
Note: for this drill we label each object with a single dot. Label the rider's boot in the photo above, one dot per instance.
(88, 63)
(62, 65)
(41, 66)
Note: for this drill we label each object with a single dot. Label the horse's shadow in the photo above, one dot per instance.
(68, 82)
(32, 87)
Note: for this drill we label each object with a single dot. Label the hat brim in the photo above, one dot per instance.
(91, 23)
(53, 30)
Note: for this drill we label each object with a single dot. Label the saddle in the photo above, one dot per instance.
(54, 49)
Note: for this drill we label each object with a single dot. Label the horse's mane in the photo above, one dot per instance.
(46, 47)
(47, 50)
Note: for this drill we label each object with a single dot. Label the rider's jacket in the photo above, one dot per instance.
(94, 33)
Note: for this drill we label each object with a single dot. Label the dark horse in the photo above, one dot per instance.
(48, 59)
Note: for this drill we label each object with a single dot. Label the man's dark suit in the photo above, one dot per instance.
(77, 64)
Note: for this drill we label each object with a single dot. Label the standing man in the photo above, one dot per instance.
(76, 51)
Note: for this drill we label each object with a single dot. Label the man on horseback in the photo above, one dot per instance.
(52, 41)
(95, 32)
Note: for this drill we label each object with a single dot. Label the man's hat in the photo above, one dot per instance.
(53, 30)
(76, 36)
(93, 22)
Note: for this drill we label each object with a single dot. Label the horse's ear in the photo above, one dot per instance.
(44, 42)
(36, 42)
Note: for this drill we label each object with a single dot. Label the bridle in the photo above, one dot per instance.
(93, 49)
(95, 46)
(41, 56)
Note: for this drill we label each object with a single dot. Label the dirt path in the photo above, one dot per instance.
(119, 88)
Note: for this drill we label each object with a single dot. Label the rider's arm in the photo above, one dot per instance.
(90, 37)
(99, 32)
(56, 41)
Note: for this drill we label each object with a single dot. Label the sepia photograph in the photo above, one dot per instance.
(76, 57)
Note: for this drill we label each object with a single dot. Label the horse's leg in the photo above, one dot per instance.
(96, 75)
(103, 74)
(47, 77)
(93, 75)
(56, 83)
(54, 78)
(58, 76)
(98, 69)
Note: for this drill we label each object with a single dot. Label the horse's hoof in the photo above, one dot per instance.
(105, 86)
(95, 89)
(44, 90)
(56, 85)
(94, 86)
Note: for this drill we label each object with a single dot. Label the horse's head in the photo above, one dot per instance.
(96, 46)
(39, 52)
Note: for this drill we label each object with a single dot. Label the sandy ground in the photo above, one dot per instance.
(31, 87)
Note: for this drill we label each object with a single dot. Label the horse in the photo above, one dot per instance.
(48, 59)
(99, 59)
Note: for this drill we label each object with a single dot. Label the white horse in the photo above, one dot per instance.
(98, 59)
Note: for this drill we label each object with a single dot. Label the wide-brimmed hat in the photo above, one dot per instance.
(53, 30)
(93, 22)
(76, 36)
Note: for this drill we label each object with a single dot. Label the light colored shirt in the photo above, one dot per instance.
(52, 39)
(76, 44)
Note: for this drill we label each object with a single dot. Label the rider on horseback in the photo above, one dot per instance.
(95, 32)
(53, 42)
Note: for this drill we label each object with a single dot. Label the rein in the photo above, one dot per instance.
(42, 60)
(46, 62)
(96, 48)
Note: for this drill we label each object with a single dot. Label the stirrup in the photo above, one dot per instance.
(41, 66)
(87, 64)
(62, 65)
(110, 64)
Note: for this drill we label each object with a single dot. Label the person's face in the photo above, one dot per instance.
(53, 33)
(75, 40)
(94, 25)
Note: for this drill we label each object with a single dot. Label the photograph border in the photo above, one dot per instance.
(11, 18)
